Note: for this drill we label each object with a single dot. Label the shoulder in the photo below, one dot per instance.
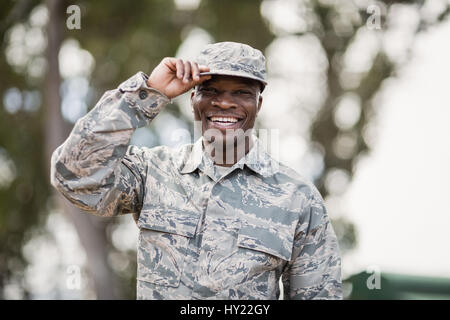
(298, 182)
(306, 200)
(299, 194)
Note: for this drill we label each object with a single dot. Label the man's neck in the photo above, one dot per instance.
(226, 156)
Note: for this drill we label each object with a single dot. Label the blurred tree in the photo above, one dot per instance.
(124, 38)
(338, 24)
(91, 230)
(24, 196)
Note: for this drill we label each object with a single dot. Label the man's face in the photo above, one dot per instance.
(226, 103)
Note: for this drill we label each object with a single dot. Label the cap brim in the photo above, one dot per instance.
(233, 73)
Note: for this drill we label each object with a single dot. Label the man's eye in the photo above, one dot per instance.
(243, 92)
(208, 90)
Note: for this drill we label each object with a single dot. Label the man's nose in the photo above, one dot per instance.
(224, 100)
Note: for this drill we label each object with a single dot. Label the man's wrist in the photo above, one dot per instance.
(151, 85)
(140, 81)
(139, 95)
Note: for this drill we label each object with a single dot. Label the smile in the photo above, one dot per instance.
(224, 121)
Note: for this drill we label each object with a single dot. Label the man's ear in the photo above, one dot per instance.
(196, 115)
(260, 100)
(192, 97)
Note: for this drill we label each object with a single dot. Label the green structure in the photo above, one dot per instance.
(391, 286)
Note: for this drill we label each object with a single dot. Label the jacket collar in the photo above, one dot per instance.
(194, 158)
(257, 159)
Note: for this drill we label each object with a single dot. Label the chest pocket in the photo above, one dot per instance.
(163, 242)
(267, 239)
(259, 257)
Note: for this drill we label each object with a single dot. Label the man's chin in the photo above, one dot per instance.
(227, 140)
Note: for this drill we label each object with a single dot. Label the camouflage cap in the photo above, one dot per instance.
(234, 59)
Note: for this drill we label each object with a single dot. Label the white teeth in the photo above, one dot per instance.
(224, 119)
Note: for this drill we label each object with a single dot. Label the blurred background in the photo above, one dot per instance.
(358, 90)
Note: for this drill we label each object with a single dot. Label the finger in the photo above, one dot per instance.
(180, 69)
(195, 71)
(170, 63)
(187, 72)
(203, 68)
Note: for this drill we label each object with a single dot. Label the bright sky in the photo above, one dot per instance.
(399, 199)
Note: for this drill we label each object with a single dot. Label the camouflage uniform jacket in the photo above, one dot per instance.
(202, 235)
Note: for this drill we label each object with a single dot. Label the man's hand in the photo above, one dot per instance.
(174, 76)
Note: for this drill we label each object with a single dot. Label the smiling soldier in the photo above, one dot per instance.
(219, 218)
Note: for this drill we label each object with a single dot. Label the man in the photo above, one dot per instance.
(218, 219)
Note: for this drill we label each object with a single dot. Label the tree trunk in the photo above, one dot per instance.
(90, 229)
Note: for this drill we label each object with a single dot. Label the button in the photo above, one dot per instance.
(143, 94)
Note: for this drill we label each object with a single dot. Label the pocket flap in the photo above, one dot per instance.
(171, 220)
(269, 240)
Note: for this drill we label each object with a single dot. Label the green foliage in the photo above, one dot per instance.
(23, 202)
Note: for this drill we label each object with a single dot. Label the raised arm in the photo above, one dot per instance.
(95, 168)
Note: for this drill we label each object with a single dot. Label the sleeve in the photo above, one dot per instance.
(95, 168)
(314, 271)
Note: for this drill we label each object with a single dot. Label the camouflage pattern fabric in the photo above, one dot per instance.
(203, 234)
(234, 59)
